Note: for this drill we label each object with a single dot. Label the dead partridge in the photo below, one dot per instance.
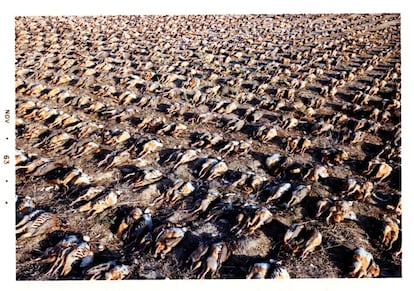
(273, 163)
(37, 223)
(363, 264)
(234, 125)
(258, 271)
(217, 170)
(137, 229)
(86, 150)
(108, 271)
(195, 258)
(317, 172)
(300, 239)
(268, 134)
(211, 262)
(394, 203)
(277, 191)
(147, 177)
(279, 271)
(322, 206)
(119, 159)
(118, 138)
(261, 217)
(390, 231)
(97, 272)
(91, 193)
(231, 146)
(33, 165)
(255, 183)
(206, 140)
(312, 243)
(24, 205)
(361, 191)
(225, 251)
(251, 218)
(129, 220)
(206, 166)
(218, 254)
(118, 272)
(66, 254)
(21, 158)
(273, 270)
(81, 253)
(211, 196)
(297, 144)
(183, 191)
(340, 211)
(150, 147)
(99, 206)
(186, 157)
(52, 254)
(174, 129)
(292, 233)
(378, 170)
(172, 191)
(167, 239)
(298, 194)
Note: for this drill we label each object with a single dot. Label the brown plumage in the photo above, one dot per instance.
(167, 239)
(94, 208)
(390, 231)
(37, 223)
(363, 264)
(378, 170)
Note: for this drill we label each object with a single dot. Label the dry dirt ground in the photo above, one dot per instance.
(116, 83)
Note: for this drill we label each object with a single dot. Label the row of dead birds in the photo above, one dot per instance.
(63, 142)
(351, 128)
(72, 252)
(248, 182)
(207, 168)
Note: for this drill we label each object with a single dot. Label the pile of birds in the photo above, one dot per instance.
(208, 146)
